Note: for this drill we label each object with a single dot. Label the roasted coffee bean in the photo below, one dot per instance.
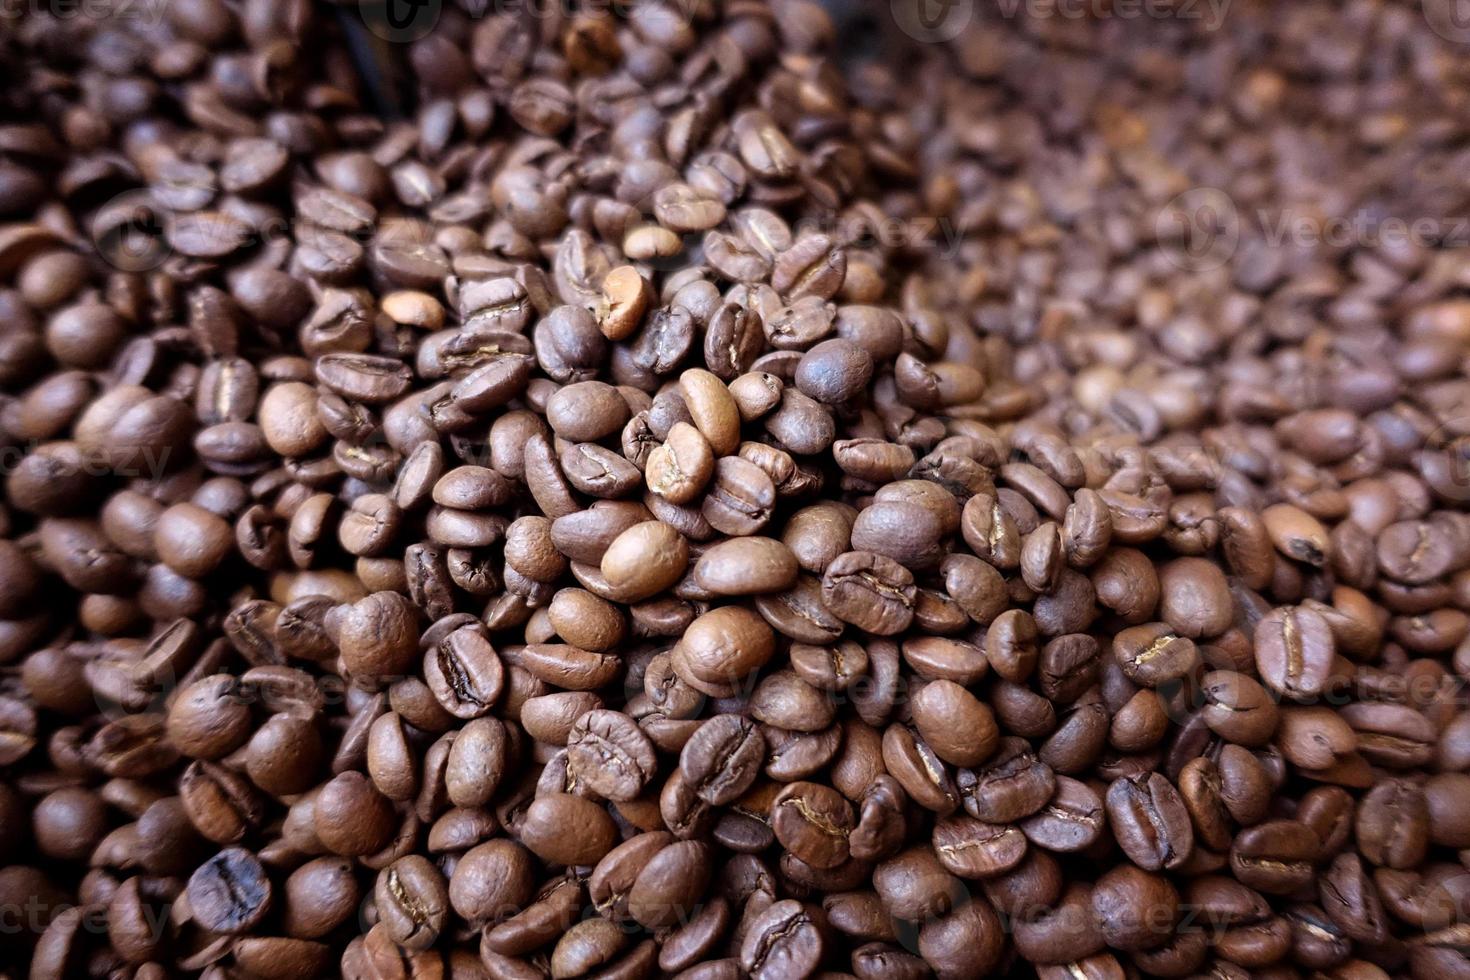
(1392, 824)
(1149, 821)
(1154, 654)
(491, 881)
(723, 758)
(870, 591)
(608, 753)
(464, 673)
(1065, 932)
(230, 892)
(644, 560)
(1134, 909)
(746, 566)
(1014, 784)
(971, 848)
(1276, 857)
(723, 647)
(784, 940)
(1072, 819)
(960, 729)
(1294, 651)
(565, 829)
(1238, 708)
(813, 822)
(413, 902)
(740, 498)
(680, 468)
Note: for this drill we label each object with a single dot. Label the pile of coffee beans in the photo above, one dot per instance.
(682, 488)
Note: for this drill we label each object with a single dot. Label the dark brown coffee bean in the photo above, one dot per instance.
(1066, 932)
(1275, 857)
(413, 901)
(960, 729)
(1238, 708)
(1154, 654)
(1149, 821)
(723, 758)
(1296, 534)
(1071, 821)
(973, 849)
(813, 822)
(782, 941)
(1351, 900)
(1392, 824)
(740, 499)
(230, 892)
(1294, 651)
(608, 753)
(565, 829)
(722, 647)
(491, 881)
(644, 560)
(746, 566)
(1014, 784)
(870, 591)
(1134, 909)
(464, 673)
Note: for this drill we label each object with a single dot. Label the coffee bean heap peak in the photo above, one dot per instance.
(624, 492)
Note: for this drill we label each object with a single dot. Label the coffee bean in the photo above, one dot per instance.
(870, 591)
(1296, 534)
(644, 560)
(1351, 900)
(783, 940)
(722, 647)
(914, 885)
(1014, 784)
(1275, 857)
(1238, 708)
(813, 822)
(970, 937)
(680, 468)
(740, 499)
(1392, 824)
(377, 635)
(464, 673)
(943, 710)
(722, 758)
(919, 770)
(413, 901)
(1294, 651)
(1149, 821)
(746, 566)
(230, 892)
(973, 849)
(491, 881)
(1153, 654)
(609, 754)
(1071, 821)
